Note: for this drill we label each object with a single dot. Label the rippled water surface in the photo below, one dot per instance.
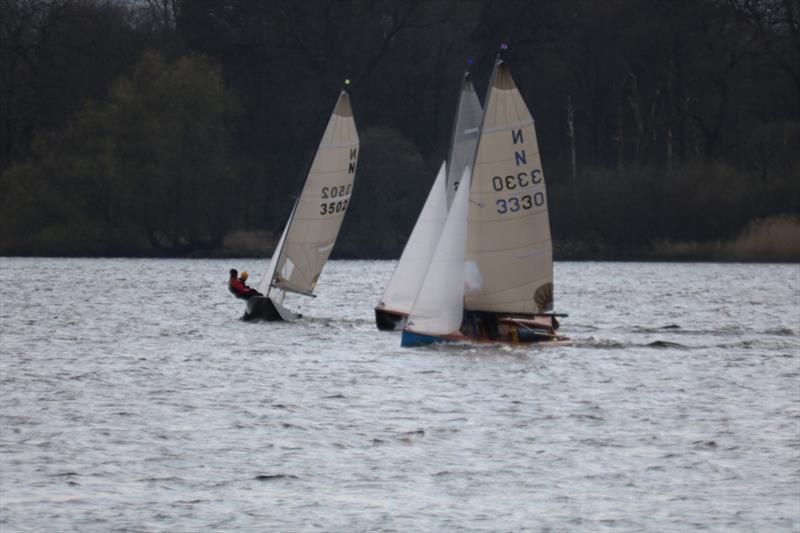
(133, 398)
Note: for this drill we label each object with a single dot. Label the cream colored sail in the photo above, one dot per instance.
(407, 278)
(464, 137)
(317, 216)
(439, 306)
(509, 265)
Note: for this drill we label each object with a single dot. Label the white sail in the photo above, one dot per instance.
(407, 278)
(464, 137)
(265, 284)
(312, 228)
(509, 251)
(439, 306)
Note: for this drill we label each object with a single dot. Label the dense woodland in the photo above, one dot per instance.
(177, 127)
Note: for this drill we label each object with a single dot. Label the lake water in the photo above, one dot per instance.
(133, 398)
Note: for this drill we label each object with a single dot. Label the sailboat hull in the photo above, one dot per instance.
(491, 328)
(264, 308)
(389, 320)
(411, 339)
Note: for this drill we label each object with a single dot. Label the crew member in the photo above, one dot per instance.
(251, 291)
(238, 288)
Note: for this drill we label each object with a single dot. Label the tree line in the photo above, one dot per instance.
(165, 127)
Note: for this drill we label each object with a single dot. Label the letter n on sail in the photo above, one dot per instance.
(520, 158)
(516, 136)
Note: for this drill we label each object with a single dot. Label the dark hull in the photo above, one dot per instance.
(388, 320)
(261, 308)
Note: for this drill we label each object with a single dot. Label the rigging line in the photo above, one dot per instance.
(519, 323)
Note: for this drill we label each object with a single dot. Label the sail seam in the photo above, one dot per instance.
(529, 245)
(510, 219)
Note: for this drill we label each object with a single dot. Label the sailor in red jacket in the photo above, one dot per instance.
(238, 288)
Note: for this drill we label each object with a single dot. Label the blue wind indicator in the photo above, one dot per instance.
(470, 60)
(503, 46)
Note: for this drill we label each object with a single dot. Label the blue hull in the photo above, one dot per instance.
(411, 339)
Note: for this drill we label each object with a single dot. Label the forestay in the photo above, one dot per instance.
(464, 136)
(264, 285)
(439, 306)
(318, 213)
(407, 278)
(509, 251)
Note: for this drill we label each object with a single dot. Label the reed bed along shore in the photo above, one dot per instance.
(774, 239)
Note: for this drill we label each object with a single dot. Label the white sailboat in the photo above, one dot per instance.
(507, 264)
(315, 220)
(398, 298)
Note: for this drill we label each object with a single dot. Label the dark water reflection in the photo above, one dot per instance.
(133, 398)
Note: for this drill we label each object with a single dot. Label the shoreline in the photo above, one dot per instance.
(770, 240)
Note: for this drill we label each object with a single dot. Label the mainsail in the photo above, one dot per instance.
(439, 306)
(509, 258)
(317, 215)
(464, 136)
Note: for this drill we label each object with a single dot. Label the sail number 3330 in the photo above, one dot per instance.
(514, 182)
(514, 204)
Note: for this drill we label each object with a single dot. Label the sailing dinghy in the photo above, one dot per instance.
(398, 298)
(315, 220)
(491, 276)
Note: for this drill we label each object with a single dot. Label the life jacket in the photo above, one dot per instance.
(237, 288)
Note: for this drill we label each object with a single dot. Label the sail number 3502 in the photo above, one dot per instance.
(330, 208)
